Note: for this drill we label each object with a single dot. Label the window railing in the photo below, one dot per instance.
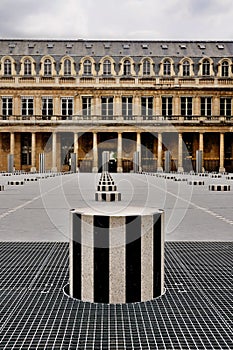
(114, 119)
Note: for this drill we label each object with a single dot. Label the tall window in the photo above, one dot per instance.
(107, 67)
(166, 67)
(147, 106)
(27, 106)
(206, 67)
(27, 67)
(127, 67)
(225, 69)
(186, 68)
(107, 106)
(87, 67)
(7, 106)
(26, 148)
(47, 67)
(167, 106)
(225, 106)
(67, 67)
(206, 104)
(47, 106)
(146, 67)
(127, 106)
(7, 67)
(186, 106)
(86, 105)
(67, 106)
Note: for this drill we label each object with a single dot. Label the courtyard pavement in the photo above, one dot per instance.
(39, 210)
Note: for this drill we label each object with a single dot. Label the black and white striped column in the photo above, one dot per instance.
(117, 258)
(219, 187)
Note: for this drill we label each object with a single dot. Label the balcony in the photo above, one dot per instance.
(114, 120)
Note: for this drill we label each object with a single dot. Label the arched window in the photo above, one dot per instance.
(47, 67)
(7, 67)
(67, 67)
(186, 68)
(146, 67)
(87, 67)
(225, 69)
(27, 67)
(107, 67)
(127, 67)
(206, 67)
(166, 67)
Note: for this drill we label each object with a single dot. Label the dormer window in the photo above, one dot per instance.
(146, 67)
(107, 67)
(7, 67)
(186, 68)
(127, 67)
(27, 67)
(225, 69)
(67, 67)
(206, 67)
(87, 67)
(47, 67)
(166, 67)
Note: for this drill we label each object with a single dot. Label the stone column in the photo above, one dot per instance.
(33, 161)
(97, 105)
(221, 168)
(117, 101)
(137, 105)
(160, 148)
(119, 153)
(76, 147)
(177, 110)
(12, 143)
(180, 153)
(157, 106)
(95, 153)
(139, 150)
(201, 148)
(201, 142)
(54, 152)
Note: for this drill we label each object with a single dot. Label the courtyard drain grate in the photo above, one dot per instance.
(194, 313)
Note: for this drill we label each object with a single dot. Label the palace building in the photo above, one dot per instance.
(59, 97)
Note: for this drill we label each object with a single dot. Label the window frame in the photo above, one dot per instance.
(225, 106)
(206, 106)
(127, 67)
(107, 107)
(107, 67)
(7, 67)
(146, 67)
(47, 106)
(67, 106)
(167, 106)
(86, 111)
(147, 104)
(186, 106)
(27, 105)
(27, 67)
(7, 106)
(47, 67)
(87, 67)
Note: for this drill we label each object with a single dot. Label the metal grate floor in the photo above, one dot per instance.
(195, 312)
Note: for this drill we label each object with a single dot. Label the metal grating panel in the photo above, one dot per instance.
(195, 312)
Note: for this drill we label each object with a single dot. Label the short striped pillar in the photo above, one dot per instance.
(221, 187)
(118, 258)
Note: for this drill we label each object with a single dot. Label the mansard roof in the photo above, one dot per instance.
(116, 48)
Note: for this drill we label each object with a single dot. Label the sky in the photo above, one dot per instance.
(117, 19)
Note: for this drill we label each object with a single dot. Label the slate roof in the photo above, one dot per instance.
(100, 48)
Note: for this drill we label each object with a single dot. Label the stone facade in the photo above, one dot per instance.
(86, 97)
